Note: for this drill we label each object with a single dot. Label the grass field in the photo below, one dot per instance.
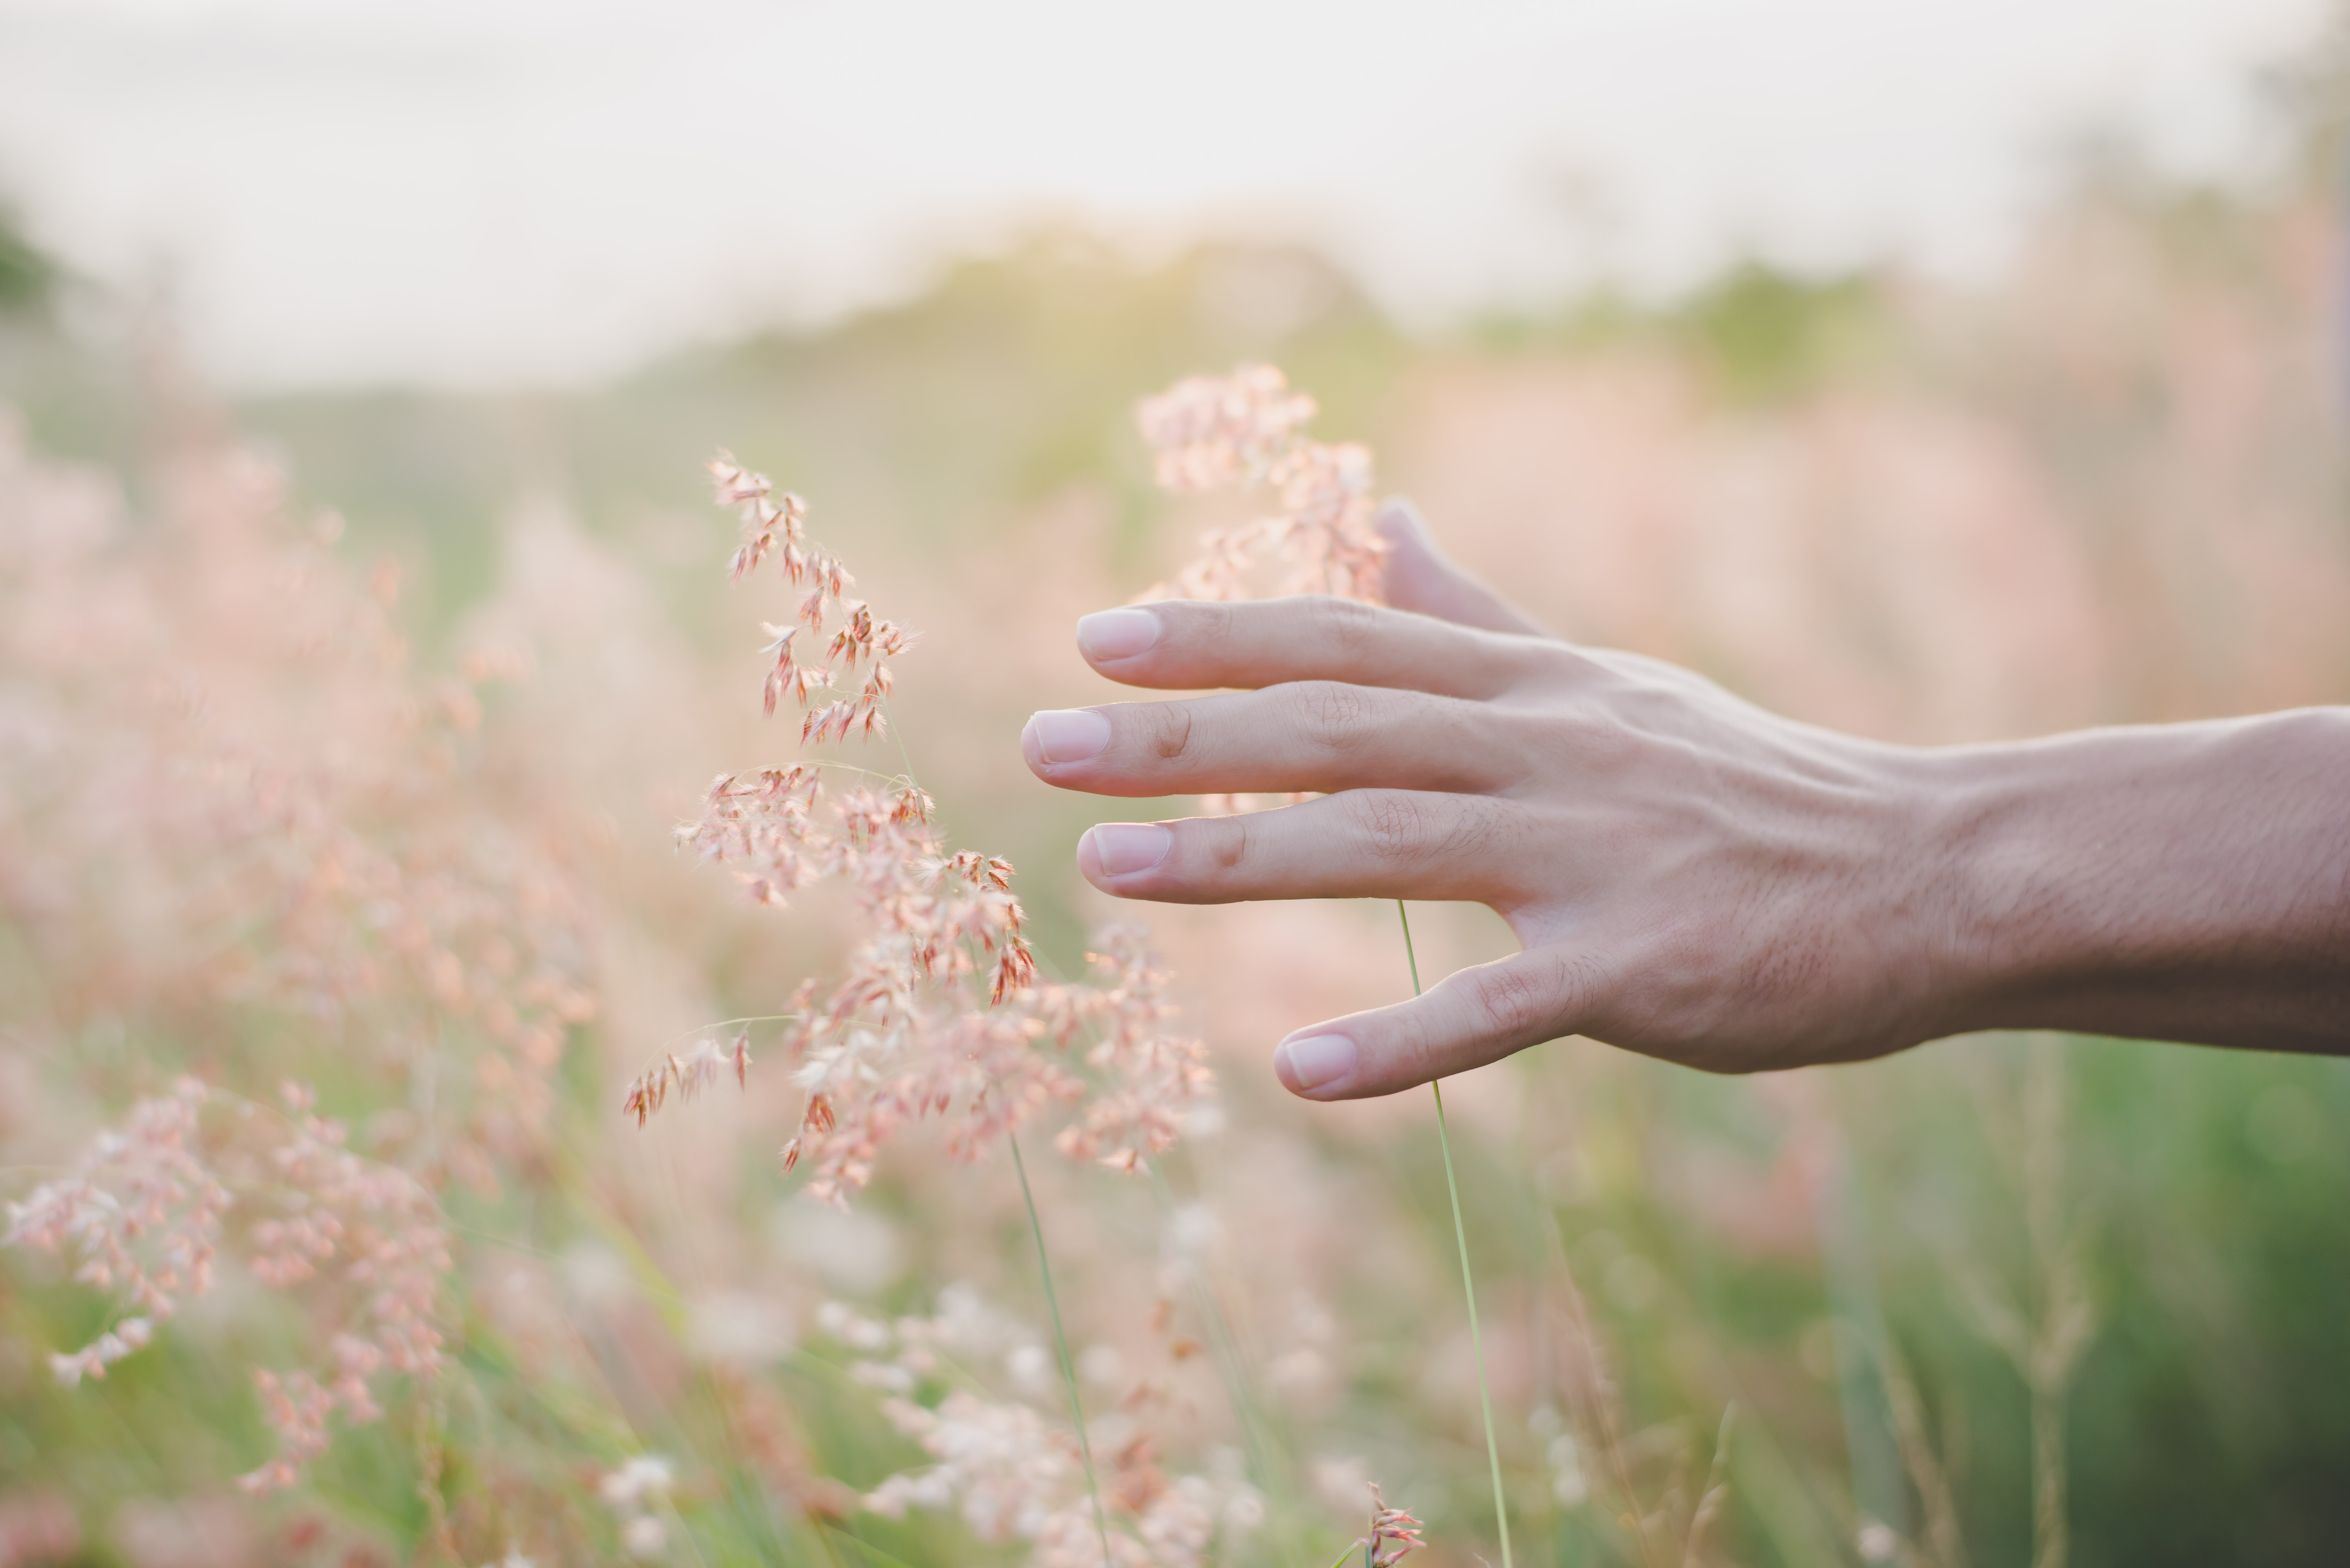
(383, 804)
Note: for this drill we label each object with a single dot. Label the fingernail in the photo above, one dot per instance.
(1398, 515)
(1117, 633)
(1123, 847)
(1068, 735)
(1316, 1060)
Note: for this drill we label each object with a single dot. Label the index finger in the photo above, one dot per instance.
(1194, 645)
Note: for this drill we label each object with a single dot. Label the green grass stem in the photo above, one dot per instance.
(1468, 1281)
(1061, 1344)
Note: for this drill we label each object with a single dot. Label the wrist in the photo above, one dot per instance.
(1993, 879)
(1958, 831)
(2178, 882)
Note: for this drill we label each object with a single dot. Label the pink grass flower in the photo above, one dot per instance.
(237, 818)
(1010, 1470)
(142, 1212)
(1394, 1533)
(938, 1011)
(1246, 431)
(146, 1215)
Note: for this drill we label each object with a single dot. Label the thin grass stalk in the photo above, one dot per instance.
(1599, 1392)
(1061, 1344)
(1595, 1394)
(1468, 1281)
(2065, 1318)
(1716, 1493)
(1926, 1474)
(1043, 1260)
(431, 1456)
(833, 1532)
(1224, 1343)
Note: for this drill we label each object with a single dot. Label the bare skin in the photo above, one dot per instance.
(1690, 877)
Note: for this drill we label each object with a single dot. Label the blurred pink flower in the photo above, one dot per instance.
(1246, 431)
(1012, 1471)
(146, 1211)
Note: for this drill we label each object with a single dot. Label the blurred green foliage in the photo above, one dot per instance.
(27, 276)
(1770, 332)
(1760, 332)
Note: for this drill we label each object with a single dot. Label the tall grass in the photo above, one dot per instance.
(354, 801)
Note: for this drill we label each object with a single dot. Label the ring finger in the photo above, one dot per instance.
(1368, 843)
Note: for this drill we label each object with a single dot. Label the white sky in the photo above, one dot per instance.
(484, 191)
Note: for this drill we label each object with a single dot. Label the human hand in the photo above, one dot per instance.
(1688, 876)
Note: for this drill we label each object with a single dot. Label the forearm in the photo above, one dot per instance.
(2185, 882)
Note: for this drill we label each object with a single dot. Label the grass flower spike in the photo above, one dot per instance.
(1394, 1535)
(938, 1011)
(1246, 430)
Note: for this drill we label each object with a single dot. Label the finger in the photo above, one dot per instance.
(1364, 844)
(1195, 643)
(1305, 736)
(1466, 1020)
(1419, 577)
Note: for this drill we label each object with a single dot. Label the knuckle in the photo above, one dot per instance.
(1656, 675)
(1525, 658)
(1513, 655)
(1394, 824)
(1509, 1002)
(1347, 628)
(1589, 737)
(1211, 623)
(1228, 845)
(1405, 827)
(1210, 857)
(1166, 730)
(1609, 745)
(1562, 663)
(1332, 715)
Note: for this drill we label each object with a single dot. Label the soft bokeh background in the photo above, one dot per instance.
(1940, 373)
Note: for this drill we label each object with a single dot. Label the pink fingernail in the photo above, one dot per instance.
(1120, 848)
(1117, 633)
(1068, 735)
(1318, 1061)
(1397, 514)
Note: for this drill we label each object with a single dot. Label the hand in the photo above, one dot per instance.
(1688, 876)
